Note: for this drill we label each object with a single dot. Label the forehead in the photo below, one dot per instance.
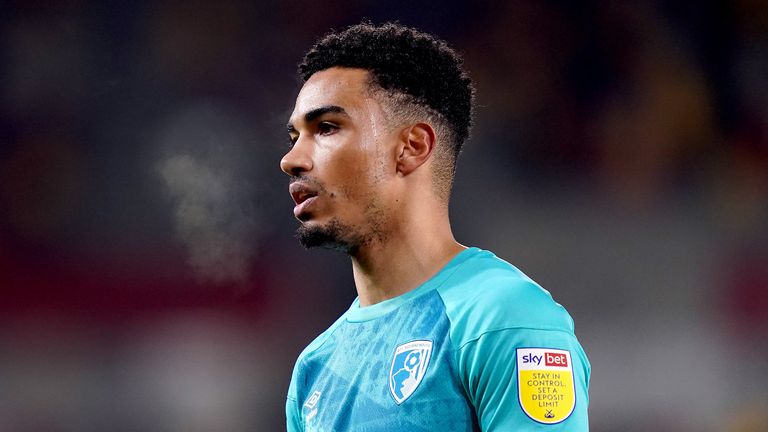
(343, 87)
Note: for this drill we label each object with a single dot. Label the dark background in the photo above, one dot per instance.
(148, 275)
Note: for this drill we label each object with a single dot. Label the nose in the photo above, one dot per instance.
(296, 161)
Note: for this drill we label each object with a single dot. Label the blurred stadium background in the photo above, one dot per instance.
(148, 275)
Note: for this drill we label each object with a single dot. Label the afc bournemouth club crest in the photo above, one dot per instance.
(408, 368)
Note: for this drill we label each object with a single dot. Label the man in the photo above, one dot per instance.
(441, 337)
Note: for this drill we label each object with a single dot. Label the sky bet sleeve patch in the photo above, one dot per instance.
(545, 384)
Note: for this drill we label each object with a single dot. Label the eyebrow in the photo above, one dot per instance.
(317, 112)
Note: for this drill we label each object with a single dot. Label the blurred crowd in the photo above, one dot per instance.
(149, 279)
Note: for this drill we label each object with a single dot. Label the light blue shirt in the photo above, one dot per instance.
(479, 346)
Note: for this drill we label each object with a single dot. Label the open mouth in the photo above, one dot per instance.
(300, 193)
(303, 195)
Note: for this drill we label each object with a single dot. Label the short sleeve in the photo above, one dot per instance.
(293, 418)
(292, 411)
(526, 380)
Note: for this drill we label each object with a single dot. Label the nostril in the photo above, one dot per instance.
(292, 169)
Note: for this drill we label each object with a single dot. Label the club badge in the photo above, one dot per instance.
(409, 365)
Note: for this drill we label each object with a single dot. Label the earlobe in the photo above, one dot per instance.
(418, 141)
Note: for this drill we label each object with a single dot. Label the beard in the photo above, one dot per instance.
(334, 235)
(342, 237)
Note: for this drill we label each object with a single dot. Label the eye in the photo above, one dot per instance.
(291, 141)
(327, 128)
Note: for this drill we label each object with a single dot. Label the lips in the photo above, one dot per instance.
(303, 195)
(301, 192)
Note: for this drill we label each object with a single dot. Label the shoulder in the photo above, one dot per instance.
(489, 294)
(321, 339)
(309, 352)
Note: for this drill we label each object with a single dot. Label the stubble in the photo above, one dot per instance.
(347, 238)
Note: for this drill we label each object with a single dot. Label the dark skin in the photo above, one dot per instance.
(356, 168)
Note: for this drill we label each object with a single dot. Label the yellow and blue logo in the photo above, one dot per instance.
(545, 384)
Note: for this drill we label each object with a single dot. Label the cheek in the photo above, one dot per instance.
(351, 175)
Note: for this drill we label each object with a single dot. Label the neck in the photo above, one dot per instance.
(405, 260)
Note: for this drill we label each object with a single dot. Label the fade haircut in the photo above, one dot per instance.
(419, 76)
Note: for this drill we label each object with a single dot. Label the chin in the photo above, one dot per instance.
(331, 235)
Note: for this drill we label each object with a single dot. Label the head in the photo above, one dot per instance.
(383, 113)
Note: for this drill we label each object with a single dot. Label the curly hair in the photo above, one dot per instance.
(420, 73)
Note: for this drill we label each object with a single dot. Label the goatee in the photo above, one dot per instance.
(332, 235)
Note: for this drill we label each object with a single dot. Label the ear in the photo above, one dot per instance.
(417, 143)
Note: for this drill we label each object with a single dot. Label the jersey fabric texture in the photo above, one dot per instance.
(443, 357)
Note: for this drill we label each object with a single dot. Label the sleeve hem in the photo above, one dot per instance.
(476, 338)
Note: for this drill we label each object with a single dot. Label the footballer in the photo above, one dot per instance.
(441, 337)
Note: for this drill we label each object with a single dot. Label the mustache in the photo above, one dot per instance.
(308, 181)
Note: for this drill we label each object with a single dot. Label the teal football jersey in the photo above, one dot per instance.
(479, 346)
